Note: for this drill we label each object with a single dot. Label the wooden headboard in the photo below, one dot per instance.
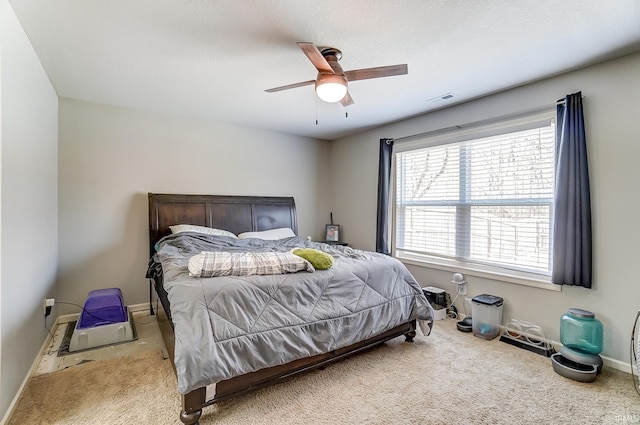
(236, 214)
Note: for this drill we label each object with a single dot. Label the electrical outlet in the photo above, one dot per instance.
(48, 304)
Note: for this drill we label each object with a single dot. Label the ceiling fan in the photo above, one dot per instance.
(331, 82)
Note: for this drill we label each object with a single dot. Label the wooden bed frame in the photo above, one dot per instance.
(236, 214)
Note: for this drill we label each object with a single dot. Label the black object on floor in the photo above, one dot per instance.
(544, 349)
(465, 325)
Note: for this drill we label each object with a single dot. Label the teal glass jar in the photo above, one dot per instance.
(580, 330)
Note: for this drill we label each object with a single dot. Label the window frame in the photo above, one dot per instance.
(457, 135)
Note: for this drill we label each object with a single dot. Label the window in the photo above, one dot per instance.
(482, 196)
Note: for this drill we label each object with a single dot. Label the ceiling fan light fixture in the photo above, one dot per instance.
(331, 82)
(331, 88)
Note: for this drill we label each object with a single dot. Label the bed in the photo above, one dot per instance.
(228, 335)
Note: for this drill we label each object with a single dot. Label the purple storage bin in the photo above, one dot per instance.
(102, 307)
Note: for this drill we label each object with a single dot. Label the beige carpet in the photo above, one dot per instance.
(447, 378)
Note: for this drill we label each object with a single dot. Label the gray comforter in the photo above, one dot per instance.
(229, 326)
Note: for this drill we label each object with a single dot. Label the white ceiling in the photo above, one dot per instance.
(213, 59)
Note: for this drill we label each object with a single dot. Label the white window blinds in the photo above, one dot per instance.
(486, 200)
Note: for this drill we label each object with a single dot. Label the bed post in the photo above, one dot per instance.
(408, 336)
(192, 406)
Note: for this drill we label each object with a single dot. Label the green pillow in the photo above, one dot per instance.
(318, 259)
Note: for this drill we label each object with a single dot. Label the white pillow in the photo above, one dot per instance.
(269, 235)
(200, 229)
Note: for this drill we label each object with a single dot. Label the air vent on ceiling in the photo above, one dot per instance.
(442, 97)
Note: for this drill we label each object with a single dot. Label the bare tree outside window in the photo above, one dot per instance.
(487, 200)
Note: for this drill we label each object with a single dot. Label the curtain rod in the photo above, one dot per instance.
(479, 123)
(474, 124)
(563, 100)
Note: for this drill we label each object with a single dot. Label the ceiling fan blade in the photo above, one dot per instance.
(381, 71)
(316, 58)
(290, 86)
(347, 100)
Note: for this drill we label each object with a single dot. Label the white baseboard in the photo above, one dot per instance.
(32, 369)
(616, 364)
(34, 366)
(607, 361)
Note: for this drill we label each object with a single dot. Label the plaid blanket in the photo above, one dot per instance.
(218, 263)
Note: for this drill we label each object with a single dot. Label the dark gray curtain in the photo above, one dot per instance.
(384, 183)
(572, 204)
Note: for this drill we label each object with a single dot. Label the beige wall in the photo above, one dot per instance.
(74, 211)
(611, 93)
(28, 199)
(110, 158)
